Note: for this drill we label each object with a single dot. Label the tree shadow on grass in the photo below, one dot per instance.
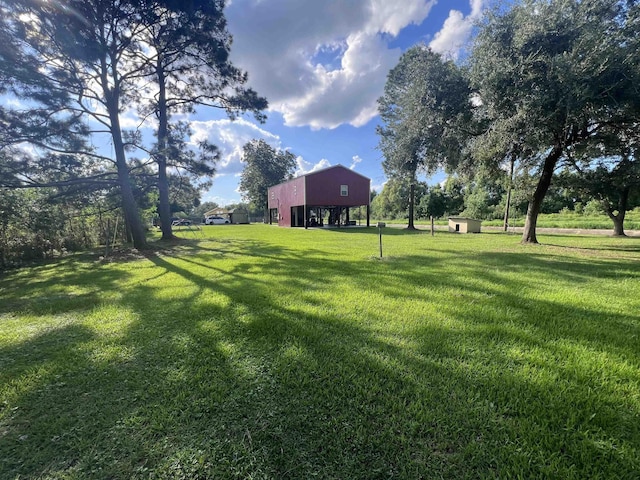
(44, 290)
(239, 377)
(373, 230)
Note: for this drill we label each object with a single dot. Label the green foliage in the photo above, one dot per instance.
(593, 207)
(201, 209)
(40, 224)
(392, 201)
(551, 77)
(183, 195)
(264, 167)
(432, 204)
(283, 353)
(425, 110)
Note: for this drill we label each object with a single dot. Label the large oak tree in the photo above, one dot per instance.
(551, 77)
(426, 112)
(265, 166)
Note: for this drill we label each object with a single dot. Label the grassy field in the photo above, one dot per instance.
(575, 220)
(259, 352)
(553, 220)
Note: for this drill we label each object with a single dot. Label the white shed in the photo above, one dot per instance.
(464, 225)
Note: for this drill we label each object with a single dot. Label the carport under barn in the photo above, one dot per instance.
(323, 197)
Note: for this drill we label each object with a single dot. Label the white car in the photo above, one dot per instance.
(215, 220)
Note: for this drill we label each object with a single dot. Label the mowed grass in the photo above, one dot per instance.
(258, 352)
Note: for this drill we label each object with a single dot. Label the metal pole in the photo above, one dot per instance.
(380, 225)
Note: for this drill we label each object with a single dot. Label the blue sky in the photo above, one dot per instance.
(322, 65)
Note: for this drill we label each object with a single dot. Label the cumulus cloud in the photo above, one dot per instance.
(355, 160)
(230, 136)
(304, 166)
(456, 31)
(285, 61)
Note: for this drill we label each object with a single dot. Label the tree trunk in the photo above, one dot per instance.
(529, 233)
(111, 90)
(618, 226)
(161, 155)
(129, 206)
(412, 193)
(510, 186)
(618, 220)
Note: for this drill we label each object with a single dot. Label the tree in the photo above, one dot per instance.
(433, 203)
(614, 181)
(426, 108)
(183, 195)
(264, 167)
(189, 63)
(203, 208)
(550, 76)
(393, 201)
(454, 194)
(83, 49)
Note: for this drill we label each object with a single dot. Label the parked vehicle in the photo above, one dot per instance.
(215, 220)
(181, 222)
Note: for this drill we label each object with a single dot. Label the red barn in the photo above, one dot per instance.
(319, 198)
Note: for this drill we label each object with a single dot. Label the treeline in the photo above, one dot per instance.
(547, 98)
(70, 71)
(485, 198)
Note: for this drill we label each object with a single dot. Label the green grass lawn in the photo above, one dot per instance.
(553, 220)
(258, 352)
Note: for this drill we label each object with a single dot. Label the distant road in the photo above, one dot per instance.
(566, 231)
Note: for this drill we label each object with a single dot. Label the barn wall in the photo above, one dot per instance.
(318, 189)
(323, 188)
(285, 196)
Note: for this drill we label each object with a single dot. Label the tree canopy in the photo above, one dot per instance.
(71, 69)
(188, 63)
(551, 77)
(425, 109)
(542, 81)
(265, 166)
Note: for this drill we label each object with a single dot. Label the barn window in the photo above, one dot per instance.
(344, 190)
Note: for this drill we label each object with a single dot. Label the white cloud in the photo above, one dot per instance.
(391, 17)
(222, 201)
(305, 167)
(355, 160)
(456, 31)
(378, 187)
(230, 136)
(346, 95)
(281, 43)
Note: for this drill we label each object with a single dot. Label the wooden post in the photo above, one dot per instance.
(380, 225)
(432, 227)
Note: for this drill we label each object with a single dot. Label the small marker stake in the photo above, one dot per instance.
(380, 226)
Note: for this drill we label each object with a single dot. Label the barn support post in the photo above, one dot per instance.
(368, 216)
(304, 217)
